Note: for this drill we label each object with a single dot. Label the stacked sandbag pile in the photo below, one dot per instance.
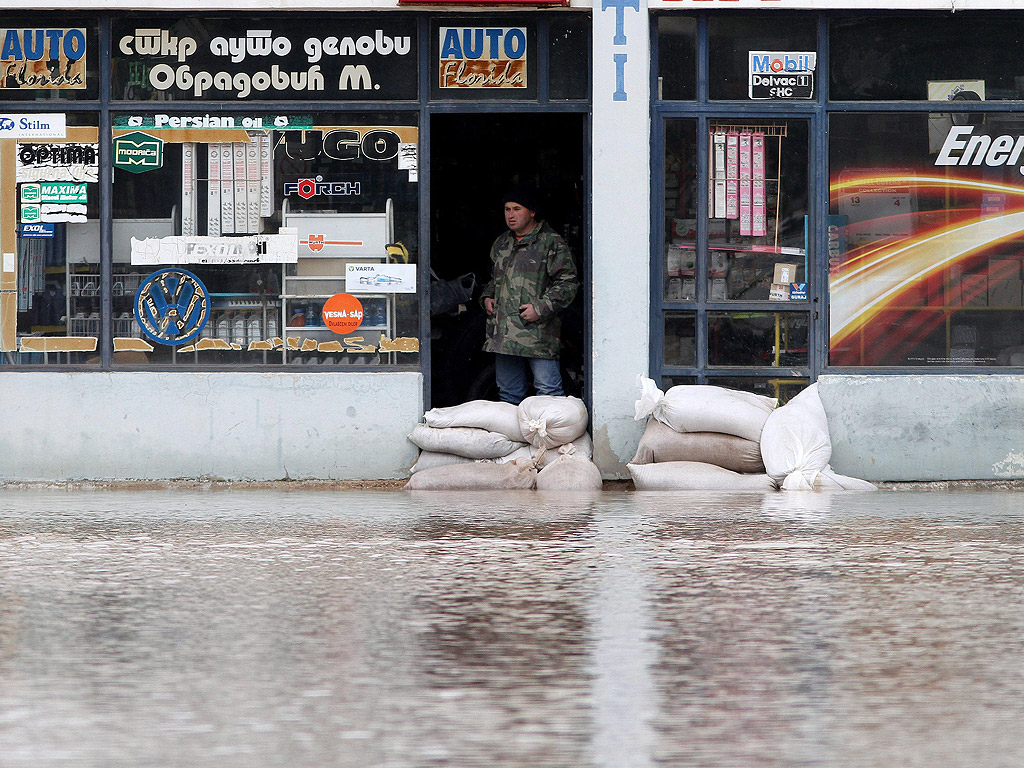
(796, 447)
(481, 444)
(700, 437)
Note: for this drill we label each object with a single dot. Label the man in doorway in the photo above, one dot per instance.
(533, 278)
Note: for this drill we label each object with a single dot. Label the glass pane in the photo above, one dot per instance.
(46, 315)
(731, 39)
(294, 57)
(677, 58)
(681, 339)
(955, 56)
(783, 390)
(297, 235)
(667, 382)
(680, 210)
(925, 240)
(49, 57)
(570, 58)
(757, 203)
(757, 339)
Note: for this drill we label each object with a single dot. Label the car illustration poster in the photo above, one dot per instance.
(380, 278)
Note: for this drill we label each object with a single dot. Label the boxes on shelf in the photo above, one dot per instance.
(718, 289)
(1004, 282)
(779, 292)
(784, 273)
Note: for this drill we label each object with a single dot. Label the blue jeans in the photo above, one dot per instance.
(510, 373)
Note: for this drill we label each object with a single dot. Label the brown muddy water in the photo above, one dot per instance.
(386, 629)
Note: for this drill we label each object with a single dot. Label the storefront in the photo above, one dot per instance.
(220, 231)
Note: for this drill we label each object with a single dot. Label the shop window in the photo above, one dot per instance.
(275, 238)
(732, 40)
(681, 339)
(677, 58)
(925, 245)
(52, 184)
(47, 57)
(958, 57)
(739, 339)
(783, 390)
(570, 47)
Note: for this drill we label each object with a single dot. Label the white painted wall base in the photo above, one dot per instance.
(232, 426)
(907, 428)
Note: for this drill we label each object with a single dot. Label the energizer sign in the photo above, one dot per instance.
(961, 147)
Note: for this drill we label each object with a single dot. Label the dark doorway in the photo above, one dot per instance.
(474, 159)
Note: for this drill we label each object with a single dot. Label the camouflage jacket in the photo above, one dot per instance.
(538, 270)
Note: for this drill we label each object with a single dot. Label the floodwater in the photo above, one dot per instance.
(384, 629)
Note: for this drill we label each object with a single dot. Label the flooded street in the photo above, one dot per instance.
(386, 629)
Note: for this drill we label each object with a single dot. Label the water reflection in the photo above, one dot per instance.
(523, 629)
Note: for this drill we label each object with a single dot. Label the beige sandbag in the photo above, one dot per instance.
(478, 476)
(569, 473)
(582, 448)
(695, 476)
(661, 443)
(704, 408)
(482, 414)
(830, 480)
(470, 442)
(547, 421)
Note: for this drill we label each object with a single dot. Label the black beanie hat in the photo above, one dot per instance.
(522, 194)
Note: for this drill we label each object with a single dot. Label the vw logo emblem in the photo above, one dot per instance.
(171, 306)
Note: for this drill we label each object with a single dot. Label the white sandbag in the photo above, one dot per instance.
(470, 442)
(582, 448)
(569, 473)
(431, 459)
(547, 421)
(662, 443)
(795, 444)
(704, 408)
(830, 480)
(480, 475)
(482, 414)
(695, 476)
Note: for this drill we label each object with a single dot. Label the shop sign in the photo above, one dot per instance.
(483, 57)
(30, 212)
(30, 193)
(281, 248)
(380, 278)
(41, 59)
(779, 75)
(172, 306)
(138, 152)
(264, 59)
(36, 230)
(798, 291)
(342, 313)
(60, 192)
(40, 126)
(307, 188)
(57, 162)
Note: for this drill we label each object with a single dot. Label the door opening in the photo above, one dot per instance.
(474, 159)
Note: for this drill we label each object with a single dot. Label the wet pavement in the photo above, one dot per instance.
(390, 629)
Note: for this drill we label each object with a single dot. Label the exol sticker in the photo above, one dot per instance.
(307, 188)
(172, 306)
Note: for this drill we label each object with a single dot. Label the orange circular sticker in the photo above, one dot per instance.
(343, 313)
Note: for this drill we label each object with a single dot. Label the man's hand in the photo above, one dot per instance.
(489, 305)
(528, 313)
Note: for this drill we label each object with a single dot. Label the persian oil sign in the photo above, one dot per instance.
(483, 57)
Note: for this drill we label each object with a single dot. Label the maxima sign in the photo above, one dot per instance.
(781, 74)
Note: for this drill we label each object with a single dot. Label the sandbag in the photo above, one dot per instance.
(482, 414)
(470, 442)
(431, 459)
(582, 448)
(547, 421)
(830, 480)
(795, 445)
(662, 443)
(695, 476)
(483, 475)
(569, 473)
(704, 408)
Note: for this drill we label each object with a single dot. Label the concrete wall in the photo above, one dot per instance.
(235, 426)
(907, 428)
(620, 222)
